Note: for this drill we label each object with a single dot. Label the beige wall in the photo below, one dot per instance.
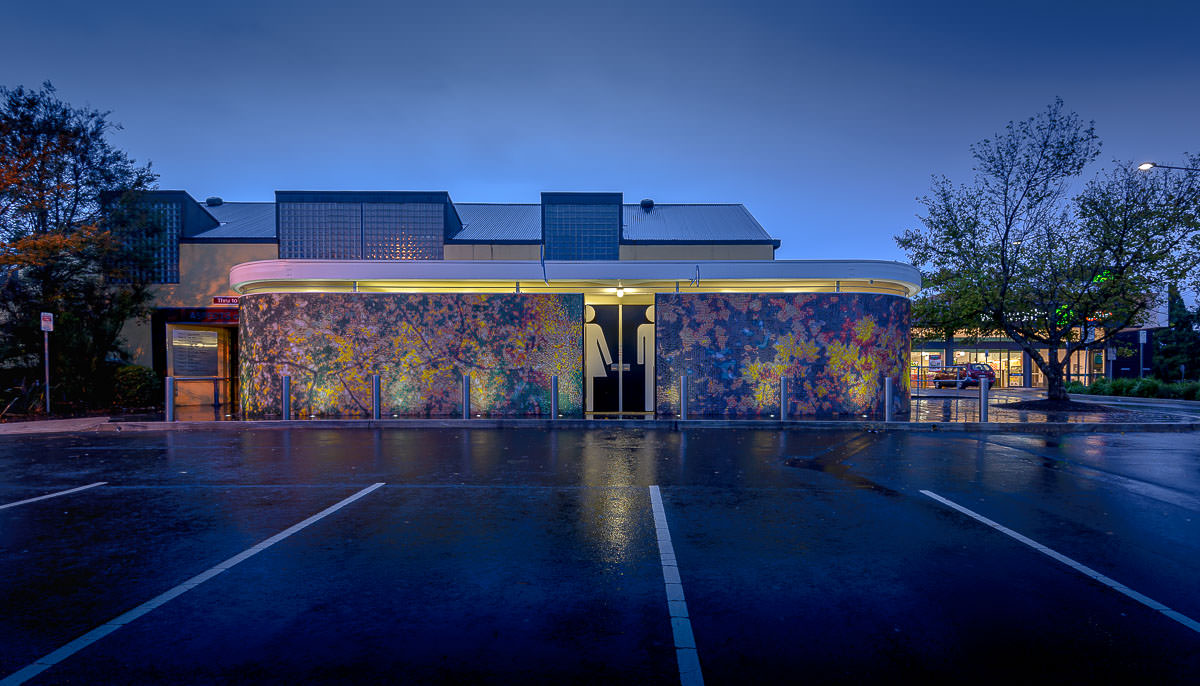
(491, 251)
(203, 273)
(697, 252)
(498, 251)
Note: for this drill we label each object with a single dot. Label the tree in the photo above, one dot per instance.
(1177, 349)
(1056, 272)
(72, 239)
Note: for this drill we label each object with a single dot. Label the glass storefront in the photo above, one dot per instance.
(1085, 366)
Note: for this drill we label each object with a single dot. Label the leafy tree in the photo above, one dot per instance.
(1179, 345)
(72, 241)
(1056, 272)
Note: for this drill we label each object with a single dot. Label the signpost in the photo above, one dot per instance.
(47, 327)
(1141, 352)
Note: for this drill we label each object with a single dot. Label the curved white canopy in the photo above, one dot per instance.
(268, 276)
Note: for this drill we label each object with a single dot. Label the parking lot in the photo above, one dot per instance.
(595, 556)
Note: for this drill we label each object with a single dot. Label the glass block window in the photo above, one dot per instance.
(169, 216)
(163, 245)
(403, 231)
(582, 232)
(320, 230)
(361, 231)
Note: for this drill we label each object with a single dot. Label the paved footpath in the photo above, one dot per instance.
(594, 556)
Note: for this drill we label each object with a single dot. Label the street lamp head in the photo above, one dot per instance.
(1147, 166)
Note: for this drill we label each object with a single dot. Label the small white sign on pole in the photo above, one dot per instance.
(47, 321)
(1142, 336)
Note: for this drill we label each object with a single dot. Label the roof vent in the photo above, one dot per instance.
(647, 204)
(213, 201)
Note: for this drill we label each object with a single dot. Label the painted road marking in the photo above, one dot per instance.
(53, 658)
(1081, 568)
(53, 495)
(681, 624)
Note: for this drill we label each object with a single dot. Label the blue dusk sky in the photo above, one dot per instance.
(825, 119)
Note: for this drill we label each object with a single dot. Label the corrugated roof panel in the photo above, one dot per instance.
(692, 223)
(485, 222)
(496, 222)
(241, 220)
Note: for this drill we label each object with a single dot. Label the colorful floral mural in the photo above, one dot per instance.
(835, 349)
(420, 345)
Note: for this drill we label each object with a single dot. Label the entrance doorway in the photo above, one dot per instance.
(618, 357)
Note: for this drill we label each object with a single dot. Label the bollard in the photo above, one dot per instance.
(887, 399)
(170, 398)
(683, 397)
(554, 397)
(287, 397)
(983, 399)
(783, 402)
(466, 396)
(375, 400)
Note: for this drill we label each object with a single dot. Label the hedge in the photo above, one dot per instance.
(1139, 388)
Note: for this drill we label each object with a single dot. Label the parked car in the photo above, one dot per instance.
(962, 375)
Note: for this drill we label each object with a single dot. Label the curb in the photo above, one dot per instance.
(659, 424)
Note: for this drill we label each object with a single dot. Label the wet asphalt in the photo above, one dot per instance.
(513, 556)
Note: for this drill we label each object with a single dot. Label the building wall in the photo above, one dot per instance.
(835, 349)
(491, 251)
(685, 251)
(203, 273)
(420, 344)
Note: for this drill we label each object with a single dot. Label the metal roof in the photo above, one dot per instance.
(499, 222)
(241, 220)
(685, 223)
(522, 222)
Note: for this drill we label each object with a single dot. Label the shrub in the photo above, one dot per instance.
(1076, 387)
(1171, 391)
(1101, 386)
(1147, 388)
(136, 386)
(1189, 390)
(1123, 386)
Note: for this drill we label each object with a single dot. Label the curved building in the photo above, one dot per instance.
(615, 304)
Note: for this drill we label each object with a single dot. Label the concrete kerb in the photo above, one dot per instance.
(661, 424)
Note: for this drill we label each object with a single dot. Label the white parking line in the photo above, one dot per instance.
(53, 658)
(1081, 568)
(681, 624)
(53, 495)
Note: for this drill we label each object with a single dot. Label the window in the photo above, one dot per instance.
(581, 226)
(361, 230)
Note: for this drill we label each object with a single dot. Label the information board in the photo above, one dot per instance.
(193, 352)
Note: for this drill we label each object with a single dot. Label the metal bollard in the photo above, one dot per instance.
(170, 399)
(375, 400)
(466, 396)
(683, 397)
(983, 398)
(287, 396)
(554, 397)
(887, 399)
(783, 398)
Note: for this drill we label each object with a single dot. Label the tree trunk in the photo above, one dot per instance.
(1056, 388)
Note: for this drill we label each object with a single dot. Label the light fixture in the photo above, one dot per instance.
(1147, 166)
(620, 291)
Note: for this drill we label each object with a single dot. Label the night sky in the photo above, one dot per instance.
(825, 119)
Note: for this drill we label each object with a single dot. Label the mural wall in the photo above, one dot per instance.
(420, 345)
(835, 349)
